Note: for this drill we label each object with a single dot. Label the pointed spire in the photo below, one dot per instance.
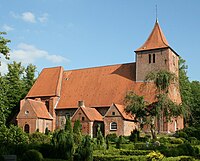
(156, 39)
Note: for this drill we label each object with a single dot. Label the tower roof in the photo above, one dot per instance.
(156, 40)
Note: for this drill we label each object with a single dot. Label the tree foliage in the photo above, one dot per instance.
(14, 86)
(4, 49)
(84, 152)
(77, 132)
(29, 78)
(63, 141)
(162, 79)
(68, 125)
(146, 113)
(12, 135)
(195, 104)
(185, 89)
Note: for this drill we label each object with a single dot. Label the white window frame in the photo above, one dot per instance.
(111, 126)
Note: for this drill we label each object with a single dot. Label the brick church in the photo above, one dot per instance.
(95, 95)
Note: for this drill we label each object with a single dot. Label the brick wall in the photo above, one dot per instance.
(61, 116)
(120, 125)
(128, 127)
(143, 67)
(31, 122)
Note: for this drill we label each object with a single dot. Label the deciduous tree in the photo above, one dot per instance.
(146, 113)
(4, 49)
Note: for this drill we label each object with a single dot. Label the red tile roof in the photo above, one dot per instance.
(125, 115)
(156, 40)
(39, 108)
(99, 86)
(48, 83)
(92, 114)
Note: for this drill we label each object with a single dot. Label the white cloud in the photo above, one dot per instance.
(3, 67)
(43, 18)
(27, 54)
(7, 28)
(28, 17)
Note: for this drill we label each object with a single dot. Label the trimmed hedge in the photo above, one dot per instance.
(118, 158)
(134, 152)
(32, 155)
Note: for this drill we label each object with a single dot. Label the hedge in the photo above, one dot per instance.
(118, 158)
(134, 152)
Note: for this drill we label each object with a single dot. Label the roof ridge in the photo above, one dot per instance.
(99, 66)
(57, 82)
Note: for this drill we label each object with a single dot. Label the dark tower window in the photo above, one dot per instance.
(47, 105)
(154, 58)
(149, 58)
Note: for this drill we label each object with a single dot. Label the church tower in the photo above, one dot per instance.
(155, 54)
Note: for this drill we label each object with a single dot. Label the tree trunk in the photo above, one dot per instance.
(152, 128)
(153, 132)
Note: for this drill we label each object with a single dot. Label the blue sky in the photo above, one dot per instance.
(86, 33)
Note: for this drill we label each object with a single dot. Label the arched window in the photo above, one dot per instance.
(26, 128)
(113, 126)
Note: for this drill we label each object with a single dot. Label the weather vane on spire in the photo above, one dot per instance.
(156, 14)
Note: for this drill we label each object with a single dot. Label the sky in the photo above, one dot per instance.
(88, 33)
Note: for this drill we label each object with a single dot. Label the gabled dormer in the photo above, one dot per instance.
(155, 54)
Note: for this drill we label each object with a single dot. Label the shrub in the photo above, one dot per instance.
(176, 141)
(164, 140)
(85, 151)
(134, 152)
(112, 137)
(155, 156)
(182, 149)
(12, 135)
(182, 134)
(77, 132)
(32, 155)
(63, 143)
(119, 142)
(47, 150)
(118, 158)
(39, 138)
(193, 141)
(135, 135)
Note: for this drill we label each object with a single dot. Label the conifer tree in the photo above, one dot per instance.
(28, 78)
(100, 138)
(84, 151)
(77, 132)
(14, 89)
(68, 125)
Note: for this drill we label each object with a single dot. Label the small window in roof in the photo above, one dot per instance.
(113, 113)
(83, 118)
